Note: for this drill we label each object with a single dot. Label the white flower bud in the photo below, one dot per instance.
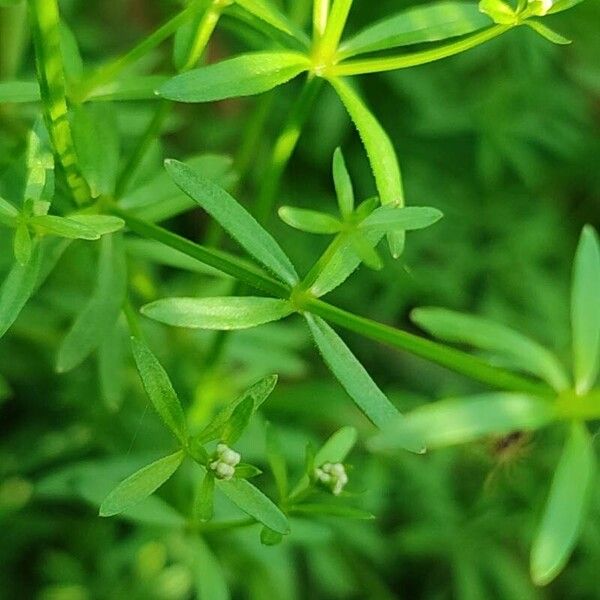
(332, 475)
(225, 461)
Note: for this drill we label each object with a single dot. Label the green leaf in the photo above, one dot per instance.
(268, 537)
(141, 484)
(276, 460)
(210, 582)
(235, 219)
(8, 213)
(387, 219)
(266, 11)
(101, 224)
(365, 251)
(380, 151)
(429, 23)
(500, 12)
(237, 422)
(22, 244)
(204, 502)
(332, 510)
(254, 503)
(343, 184)
(102, 309)
(566, 507)
(159, 389)
(218, 313)
(462, 420)
(111, 355)
(259, 392)
(95, 135)
(337, 447)
(309, 220)
(484, 334)
(161, 199)
(546, 32)
(64, 227)
(246, 471)
(40, 165)
(585, 312)
(354, 378)
(244, 75)
(17, 288)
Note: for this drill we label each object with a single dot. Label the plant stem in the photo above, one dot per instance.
(455, 360)
(223, 261)
(111, 70)
(376, 65)
(45, 24)
(326, 47)
(284, 147)
(320, 14)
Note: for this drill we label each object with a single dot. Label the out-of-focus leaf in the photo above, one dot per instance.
(210, 582)
(254, 503)
(159, 389)
(462, 420)
(218, 313)
(64, 227)
(243, 75)
(235, 219)
(343, 184)
(203, 505)
(332, 510)
(17, 288)
(19, 92)
(40, 165)
(111, 353)
(101, 224)
(266, 11)
(276, 461)
(487, 335)
(141, 484)
(585, 310)
(429, 23)
(22, 244)
(337, 447)
(565, 508)
(100, 313)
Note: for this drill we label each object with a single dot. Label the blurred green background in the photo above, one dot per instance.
(504, 140)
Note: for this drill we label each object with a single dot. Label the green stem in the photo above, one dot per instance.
(455, 360)
(327, 45)
(111, 70)
(323, 261)
(284, 147)
(204, 31)
(222, 261)
(376, 65)
(13, 30)
(320, 14)
(45, 24)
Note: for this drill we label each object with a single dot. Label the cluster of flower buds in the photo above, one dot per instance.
(225, 462)
(332, 475)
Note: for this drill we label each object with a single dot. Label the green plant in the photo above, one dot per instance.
(85, 181)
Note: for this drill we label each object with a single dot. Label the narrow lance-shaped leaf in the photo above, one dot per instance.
(22, 244)
(237, 422)
(218, 313)
(8, 213)
(141, 484)
(100, 224)
(380, 151)
(547, 33)
(343, 184)
(462, 420)
(259, 392)
(355, 379)
(566, 507)
(254, 503)
(40, 165)
(235, 219)
(209, 578)
(484, 334)
(310, 221)
(244, 75)
(204, 502)
(386, 219)
(276, 460)
(585, 310)
(429, 23)
(159, 389)
(64, 227)
(17, 288)
(101, 311)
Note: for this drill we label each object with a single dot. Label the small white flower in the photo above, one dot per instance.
(225, 462)
(333, 475)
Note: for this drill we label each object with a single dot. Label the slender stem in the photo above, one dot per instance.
(457, 361)
(223, 261)
(324, 260)
(376, 65)
(284, 147)
(45, 23)
(327, 45)
(204, 31)
(139, 152)
(111, 70)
